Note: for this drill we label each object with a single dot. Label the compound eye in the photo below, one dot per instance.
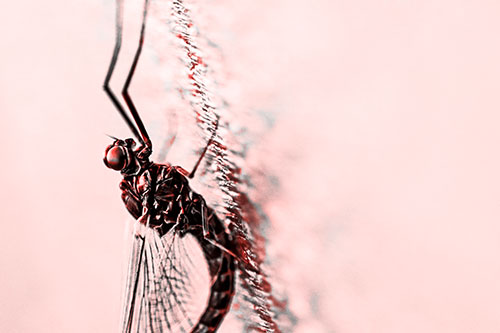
(116, 158)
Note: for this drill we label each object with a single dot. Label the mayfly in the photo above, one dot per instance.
(159, 197)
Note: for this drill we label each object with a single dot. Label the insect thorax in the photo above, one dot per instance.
(162, 192)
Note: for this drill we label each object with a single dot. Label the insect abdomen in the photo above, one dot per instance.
(222, 270)
(174, 187)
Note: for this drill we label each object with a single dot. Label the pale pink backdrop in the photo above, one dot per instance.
(385, 146)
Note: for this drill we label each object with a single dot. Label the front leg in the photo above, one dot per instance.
(132, 202)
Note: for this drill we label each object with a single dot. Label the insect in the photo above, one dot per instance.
(167, 210)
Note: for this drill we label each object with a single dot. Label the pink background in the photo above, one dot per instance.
(385, 147)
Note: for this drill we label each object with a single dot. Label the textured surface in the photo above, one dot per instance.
(378, 121)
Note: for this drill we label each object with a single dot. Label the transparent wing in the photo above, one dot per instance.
(167, 282)
(199, 82)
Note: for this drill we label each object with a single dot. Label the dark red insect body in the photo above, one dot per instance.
(159, 196)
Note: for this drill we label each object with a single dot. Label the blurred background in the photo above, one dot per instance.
(377, 122)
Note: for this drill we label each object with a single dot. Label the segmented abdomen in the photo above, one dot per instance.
(222, 270)
(221, 264)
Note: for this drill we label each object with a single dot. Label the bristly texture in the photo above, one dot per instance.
(222, 165)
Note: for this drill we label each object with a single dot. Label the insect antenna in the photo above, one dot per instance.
(125, 93)
(111, 68)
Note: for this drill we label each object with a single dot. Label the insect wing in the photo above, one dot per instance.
(167, 284)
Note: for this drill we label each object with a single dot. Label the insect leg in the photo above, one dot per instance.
(111, 68)
(214, 243)
(209, 142)
(171, 136)
(125, 93)
(204, 220)
(130, 313)
(206, 231)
